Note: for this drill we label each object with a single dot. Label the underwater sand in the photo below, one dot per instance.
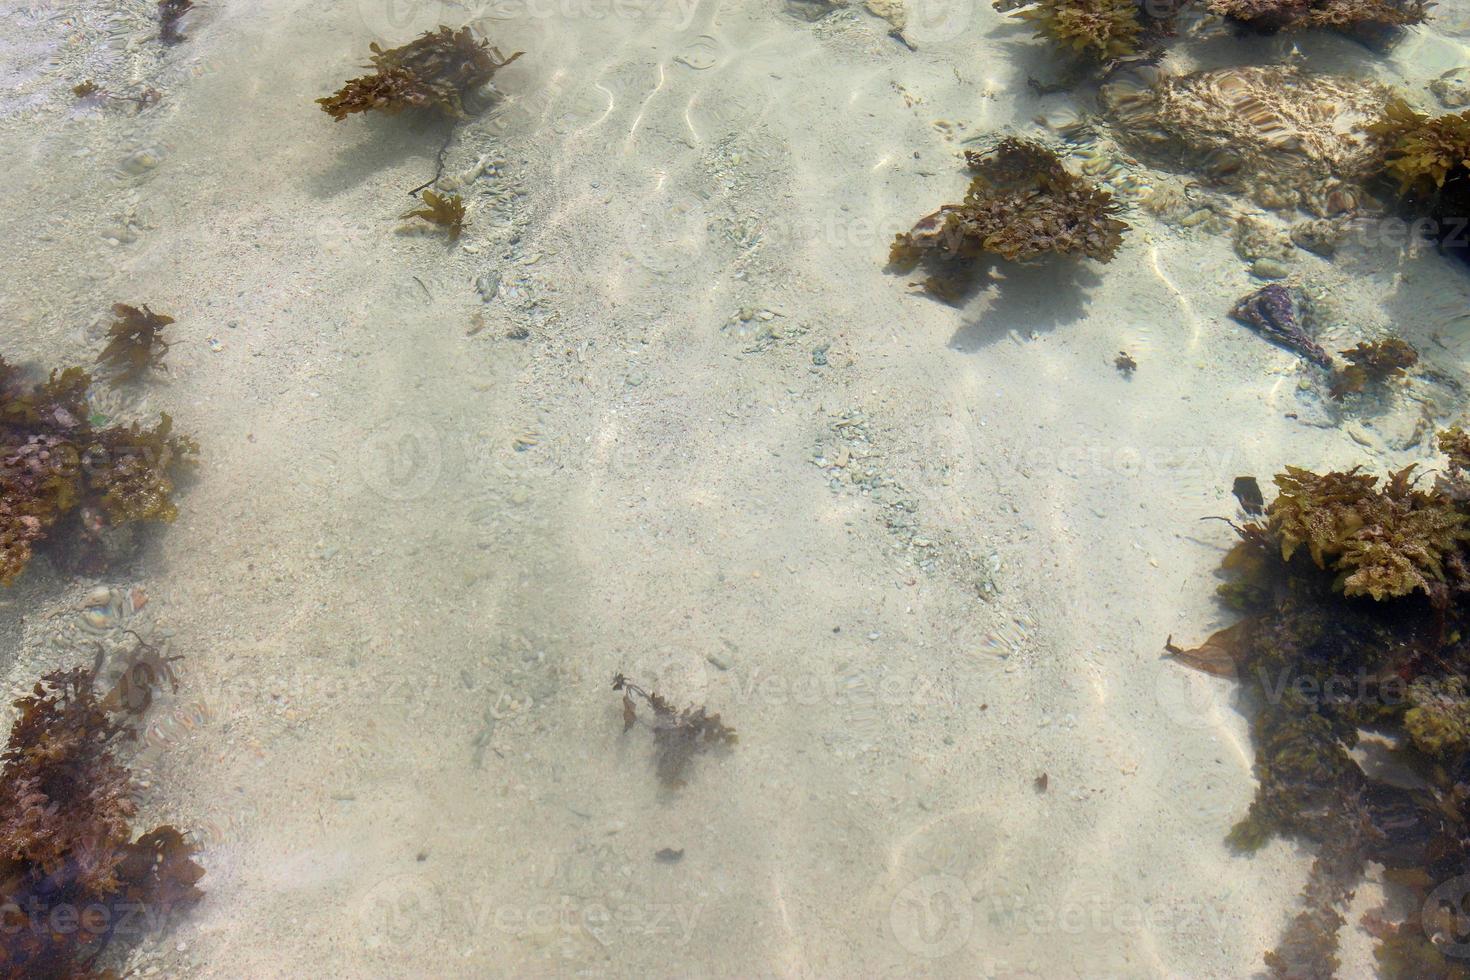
(917, 556)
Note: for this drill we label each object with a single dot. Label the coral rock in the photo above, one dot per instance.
(1303, 135)
(1275, 15)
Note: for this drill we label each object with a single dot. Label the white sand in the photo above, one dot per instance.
(398, 737)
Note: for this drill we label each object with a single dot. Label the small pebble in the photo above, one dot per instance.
(141, 161)
(1269, 269)
(488, 286)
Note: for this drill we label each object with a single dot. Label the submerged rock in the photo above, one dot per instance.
(1275, 312)
(1282, 136)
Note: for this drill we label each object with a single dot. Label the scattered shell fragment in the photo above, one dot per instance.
(1063, 120)
(702, 53)
(112, 618)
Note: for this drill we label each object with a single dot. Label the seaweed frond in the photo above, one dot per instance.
(678, 735)
(66, 809)
(1382, 359)
(1022, 204)
(133, 468)
(437, 70)
(1383, 543)
(1103, 29)
(1426, 152)
(1373, 362)
(445, 210)
(1439, 721)
(1369, 635)
(1428, 159)
(1454, 442)
(134, 342)
(60, 473)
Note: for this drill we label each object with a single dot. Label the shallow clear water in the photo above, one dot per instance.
(661, 411)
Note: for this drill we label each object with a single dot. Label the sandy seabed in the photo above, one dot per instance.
(661, 411)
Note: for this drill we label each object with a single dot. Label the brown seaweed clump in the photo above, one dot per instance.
(443, 210)
(1373, 362)
(63, 476)
(1356, 600)
(135, 342)
(1454, 442)
(1425, 152)
(678, 736)
(72, 876)
(1100, 29)
(439, 70)
(1269, 16)
(1428, 162)
(1383, 543)
(1022, 205)
(1287, 137)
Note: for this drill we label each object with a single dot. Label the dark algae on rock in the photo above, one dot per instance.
(1356, 599)
(438, 71)
(1276, 312)
(1022, 205)
(64, 476)
(170, 12)
(1276, 15)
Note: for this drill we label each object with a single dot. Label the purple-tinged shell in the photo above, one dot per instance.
(1274, 312)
